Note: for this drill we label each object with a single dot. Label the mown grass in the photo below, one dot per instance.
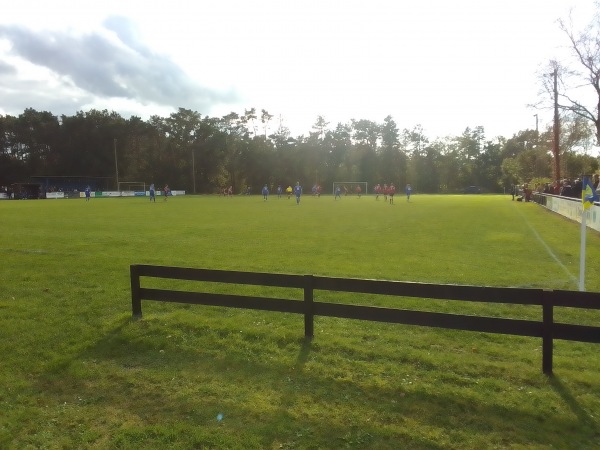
(76, 372)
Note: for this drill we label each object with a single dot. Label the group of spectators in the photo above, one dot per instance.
(565, 188)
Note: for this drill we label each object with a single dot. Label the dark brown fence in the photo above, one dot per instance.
(546, 328)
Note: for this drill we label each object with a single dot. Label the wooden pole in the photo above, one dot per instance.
(555, 143)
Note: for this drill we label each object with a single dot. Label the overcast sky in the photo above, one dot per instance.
(445, 65)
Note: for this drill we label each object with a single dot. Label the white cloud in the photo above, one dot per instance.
(445, 65)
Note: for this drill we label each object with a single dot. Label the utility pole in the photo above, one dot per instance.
(116, 163)
(555, 143)
(193, 169)
(536, 124)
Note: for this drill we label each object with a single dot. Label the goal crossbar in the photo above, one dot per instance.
(132, 186)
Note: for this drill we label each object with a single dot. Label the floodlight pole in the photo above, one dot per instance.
(116, 163)
(193, 169)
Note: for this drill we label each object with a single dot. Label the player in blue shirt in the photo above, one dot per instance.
(298, 192)
(338, 193)
(265, 192)
(88, 193)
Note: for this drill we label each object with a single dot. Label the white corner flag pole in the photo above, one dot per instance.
(582, 251)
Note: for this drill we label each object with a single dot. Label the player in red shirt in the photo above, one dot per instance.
(377, 191)
(392, 190)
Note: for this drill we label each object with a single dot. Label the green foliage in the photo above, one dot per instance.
(540, 182)
(202, 154)
(78, 373)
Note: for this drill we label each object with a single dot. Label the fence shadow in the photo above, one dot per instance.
(582, 415)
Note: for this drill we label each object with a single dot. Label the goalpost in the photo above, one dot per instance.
(132, 186)
(350, 187)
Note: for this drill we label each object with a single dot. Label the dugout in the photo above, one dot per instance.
(72, 183)
(26, 191)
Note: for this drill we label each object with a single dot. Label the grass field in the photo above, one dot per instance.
(77, 372)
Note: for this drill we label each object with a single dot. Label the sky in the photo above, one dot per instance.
(442, 64)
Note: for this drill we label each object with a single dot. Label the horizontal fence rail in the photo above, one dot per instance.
(546, 328)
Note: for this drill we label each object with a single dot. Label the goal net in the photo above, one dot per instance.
(351, 187)
(132, 186)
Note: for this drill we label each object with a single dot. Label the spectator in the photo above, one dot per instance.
(566, 190)
(527, 192)
(556, 186)
(577, 188)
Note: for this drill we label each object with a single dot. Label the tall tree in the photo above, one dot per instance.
(583, 83)
(339, 149)
(265, 118)
(159, 145)
(489, 167)
(470, 146)
(140, 153)
(37, 134)
(235, 134)
(209, 156)
(88, 143)
(181, 128)
(366, 135)
(249, 120)
(320, 127)
(414, 144)
(393, 161)
(12, 164)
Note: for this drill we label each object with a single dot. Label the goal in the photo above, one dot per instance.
(132, 186)
(350, 187)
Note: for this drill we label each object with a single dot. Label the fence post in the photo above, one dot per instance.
(547, 331)
(308, 307)
(136, 301)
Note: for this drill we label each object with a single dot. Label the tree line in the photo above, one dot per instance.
(201, 154)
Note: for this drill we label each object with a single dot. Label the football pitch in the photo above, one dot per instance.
(78, 373)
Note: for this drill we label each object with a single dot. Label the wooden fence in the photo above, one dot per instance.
(546, 328)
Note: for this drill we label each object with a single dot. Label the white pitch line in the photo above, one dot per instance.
(550, 252)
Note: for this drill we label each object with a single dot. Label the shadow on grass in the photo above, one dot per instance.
(191, 385)
(564, 392)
